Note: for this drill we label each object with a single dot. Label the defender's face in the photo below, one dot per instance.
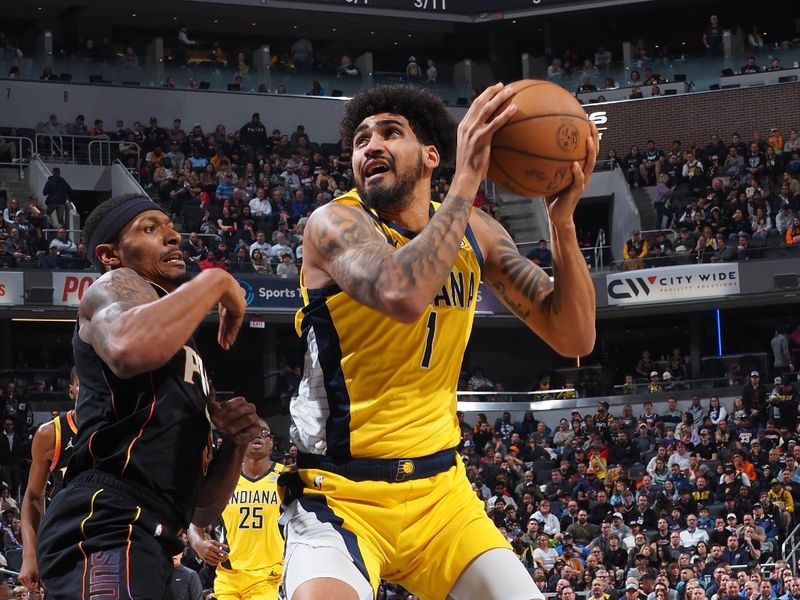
(149, 246)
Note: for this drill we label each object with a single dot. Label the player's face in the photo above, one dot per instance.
(74, 388)
(388, 160)
(261, 447)
(150, 246)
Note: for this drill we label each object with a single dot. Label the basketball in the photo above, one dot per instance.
(532, 154)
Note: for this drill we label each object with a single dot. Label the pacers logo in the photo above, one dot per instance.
(567, 137)
(404, 469)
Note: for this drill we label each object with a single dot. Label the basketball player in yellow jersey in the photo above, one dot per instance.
(390, 282)
(249, 558)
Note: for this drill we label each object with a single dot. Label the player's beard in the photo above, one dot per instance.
(181, 278)
(393, 196)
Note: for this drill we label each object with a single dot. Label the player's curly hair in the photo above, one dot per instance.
(431, 121)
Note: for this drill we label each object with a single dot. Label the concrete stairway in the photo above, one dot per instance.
(525, 218)
(643, 197)
(13, 186)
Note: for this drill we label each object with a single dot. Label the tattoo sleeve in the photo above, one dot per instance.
(548, 307)
(108, 298)
(376, 274)
(519, 279)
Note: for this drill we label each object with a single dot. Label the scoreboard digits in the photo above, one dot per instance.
(418, 4)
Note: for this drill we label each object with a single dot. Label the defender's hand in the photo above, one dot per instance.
(236, 418)
(211, 552)
(232, 306)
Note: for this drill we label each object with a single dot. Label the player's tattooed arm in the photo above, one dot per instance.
(134, 331)
(345, 244)
(562, 311)
(105, 301)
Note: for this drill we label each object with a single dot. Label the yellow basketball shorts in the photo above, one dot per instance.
(421, 533)
(246, 585)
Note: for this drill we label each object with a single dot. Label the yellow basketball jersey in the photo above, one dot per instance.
(374, 387)
(251, 525)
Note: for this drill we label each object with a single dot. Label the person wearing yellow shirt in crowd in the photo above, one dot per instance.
(219, 161)
(634, 251)
(782, 498)
(775, 139)
(249, 558)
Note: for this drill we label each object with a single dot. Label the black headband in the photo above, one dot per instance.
(114, 222)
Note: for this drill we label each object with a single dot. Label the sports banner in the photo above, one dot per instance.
(12, 288)
(69, 288)
(669, 284)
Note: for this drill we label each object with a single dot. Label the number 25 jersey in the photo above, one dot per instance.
(374, 387)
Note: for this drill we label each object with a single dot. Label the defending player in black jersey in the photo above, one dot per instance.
(53, 445)
(140, 472)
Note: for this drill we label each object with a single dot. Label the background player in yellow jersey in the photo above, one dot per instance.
(389, 282)
(249, 557)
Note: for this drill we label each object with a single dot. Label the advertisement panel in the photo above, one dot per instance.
(69, 288)
(12, 288)
(284, 294)
(670, 284)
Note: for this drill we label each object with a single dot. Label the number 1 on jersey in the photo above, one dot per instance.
(426, 355)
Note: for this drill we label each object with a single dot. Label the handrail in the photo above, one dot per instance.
(22, 157)
(793, 550)
(599, 245)
(686, 384)
(78, 149)
(134, 177)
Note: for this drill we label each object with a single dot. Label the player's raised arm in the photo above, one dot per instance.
(134, 331)
(562, 312)
(343, 245)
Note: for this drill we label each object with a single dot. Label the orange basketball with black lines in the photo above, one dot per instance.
(532, 154)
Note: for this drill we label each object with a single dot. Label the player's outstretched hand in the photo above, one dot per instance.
(236, 418)
(211, 552)
(561, 206)
(477, 128)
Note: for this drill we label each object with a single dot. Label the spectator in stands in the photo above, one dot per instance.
(286, 267)
(253, 135)
(57, 191)
(347, 67)
(541, 255)
(631, 165)
(555, 70)
(750, 66)
(634, 251)
(12, 452)
(712, 38)
(66, 247)
(586, 85)
(8, 150)
(793, 232)
(7, 259)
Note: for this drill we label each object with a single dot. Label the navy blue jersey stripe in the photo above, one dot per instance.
(318, 505)
(475, 248)
(322, 293)
(318, 319)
